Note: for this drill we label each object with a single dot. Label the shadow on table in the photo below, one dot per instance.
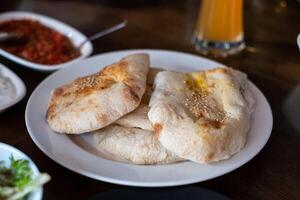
(291, 108)
(174, 193)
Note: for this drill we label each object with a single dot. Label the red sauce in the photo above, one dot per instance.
(42, 44)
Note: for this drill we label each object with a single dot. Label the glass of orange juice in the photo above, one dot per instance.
(219, 27)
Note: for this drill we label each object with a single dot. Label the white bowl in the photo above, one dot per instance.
(298, 41)
(6, 151)
(74, 35)
(19, 86)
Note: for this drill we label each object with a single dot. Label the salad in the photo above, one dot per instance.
(17, 179)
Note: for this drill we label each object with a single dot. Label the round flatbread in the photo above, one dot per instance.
(92, 102)
(132, 144)
(202, 116)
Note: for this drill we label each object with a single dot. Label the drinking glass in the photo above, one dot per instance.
(219, 27)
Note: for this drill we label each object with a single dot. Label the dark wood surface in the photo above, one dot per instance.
(272, 61)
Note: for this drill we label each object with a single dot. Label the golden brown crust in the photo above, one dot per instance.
(49, 113)
(83, 86)
(117, 72)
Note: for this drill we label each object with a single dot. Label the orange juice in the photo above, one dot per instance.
(220, 21)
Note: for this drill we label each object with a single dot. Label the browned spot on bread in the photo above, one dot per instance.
(131, 95)
(102, 118)
(135, 87)
(50, 112)
(58, 91)
(65, 94)
(212, 123)
(216, 124)
(157, 129)
(61, 91)
(208, 157)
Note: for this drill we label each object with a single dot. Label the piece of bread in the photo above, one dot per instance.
(139, 117)
(202, 116)
(95, 101)
(132, 144)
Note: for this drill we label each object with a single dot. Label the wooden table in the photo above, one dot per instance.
(272, 61)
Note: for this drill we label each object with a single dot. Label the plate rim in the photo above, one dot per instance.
(138, 183)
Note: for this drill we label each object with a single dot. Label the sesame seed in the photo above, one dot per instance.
(203, 106)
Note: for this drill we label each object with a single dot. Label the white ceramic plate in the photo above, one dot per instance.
(19, 86)
(74, 35)
(78, 153)
(6, 151)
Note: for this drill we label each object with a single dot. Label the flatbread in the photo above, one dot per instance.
(202, 116)
(93, 102)
(132, 137)
(139, 117)
(132, 144)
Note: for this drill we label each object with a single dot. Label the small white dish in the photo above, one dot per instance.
(74, 35)
(78, 153)
(298, 41)
(19, 86)
(6, 151)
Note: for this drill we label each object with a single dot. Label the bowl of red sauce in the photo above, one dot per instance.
(46, 44)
